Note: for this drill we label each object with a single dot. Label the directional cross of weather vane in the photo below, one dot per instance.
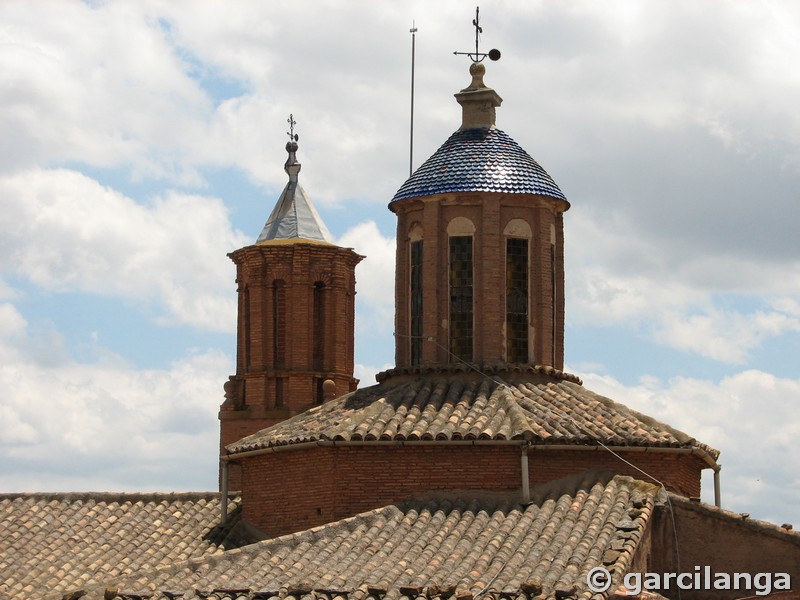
(292, 135)
(478, 56)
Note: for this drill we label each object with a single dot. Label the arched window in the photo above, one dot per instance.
(518, 234)
(460, 231)
(516, 300)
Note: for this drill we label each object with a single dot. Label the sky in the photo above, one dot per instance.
(142, 141)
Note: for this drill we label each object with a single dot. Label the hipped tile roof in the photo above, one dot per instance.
(479, 160)
(431, 548)
(552, 411)
(62, 541)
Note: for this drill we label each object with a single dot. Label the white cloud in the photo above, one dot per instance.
(374, 276)
(130, 85)
(99, 85)
(752, 417)
(618, 276)
(63, 231)
(366, 373)
(724, 335)
(11, 321)
(64, 425)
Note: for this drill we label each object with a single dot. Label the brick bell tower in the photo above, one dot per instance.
(480, 250)
(296, 318)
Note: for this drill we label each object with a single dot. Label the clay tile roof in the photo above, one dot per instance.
(433, 549)
(479, 160)
(553, 411)
(62, 541)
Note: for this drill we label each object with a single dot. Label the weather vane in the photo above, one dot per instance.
(292, 135)
(493, 54)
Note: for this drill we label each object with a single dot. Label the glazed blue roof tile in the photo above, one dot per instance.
(479, 160)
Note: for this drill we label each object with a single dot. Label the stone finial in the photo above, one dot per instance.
(477, 70)
(292, 167)
(477, 101)
(233, 395)
(328, 389)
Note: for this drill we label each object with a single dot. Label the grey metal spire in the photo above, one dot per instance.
(294, 216)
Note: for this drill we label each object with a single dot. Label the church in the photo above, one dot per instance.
(475, 467)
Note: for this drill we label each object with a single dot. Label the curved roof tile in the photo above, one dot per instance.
(435, 548)
(62, 541)
(557, 411)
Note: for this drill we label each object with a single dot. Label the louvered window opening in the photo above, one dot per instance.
(517, 300)
(461, 299)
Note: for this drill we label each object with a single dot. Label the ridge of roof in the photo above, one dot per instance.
(438, 548)
(113, 496)
(479, 160)
(462, 408)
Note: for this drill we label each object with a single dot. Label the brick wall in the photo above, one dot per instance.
(293, 490)
(286, 348)
(490, 213)
(679, 472)
(689, 534)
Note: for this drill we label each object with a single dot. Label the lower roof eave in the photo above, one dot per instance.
(522, 443)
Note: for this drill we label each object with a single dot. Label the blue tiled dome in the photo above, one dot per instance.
(479, 160)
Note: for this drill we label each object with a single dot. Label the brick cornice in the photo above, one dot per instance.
(509, 370)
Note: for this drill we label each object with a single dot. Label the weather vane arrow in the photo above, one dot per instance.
(477, 56)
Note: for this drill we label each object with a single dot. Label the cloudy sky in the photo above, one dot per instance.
(142, 141)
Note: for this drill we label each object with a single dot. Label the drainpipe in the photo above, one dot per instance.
(224, 499)
(526, 486)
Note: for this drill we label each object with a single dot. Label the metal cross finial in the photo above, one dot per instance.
(292, 135)
(478, 56)
(478, 28)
